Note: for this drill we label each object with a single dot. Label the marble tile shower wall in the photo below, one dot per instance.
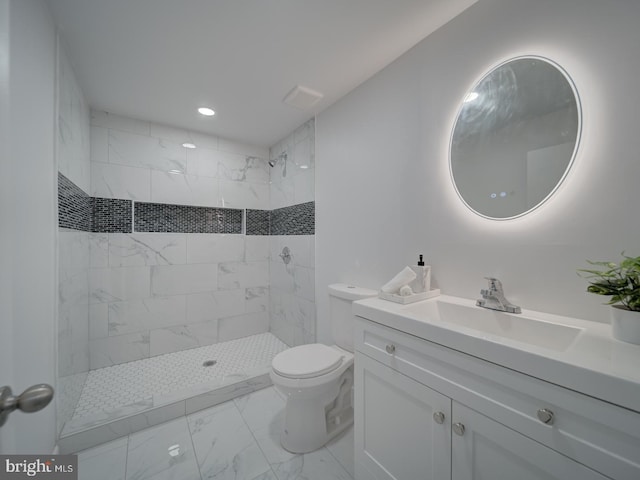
(155, 293)
(73, 245)
(293, 310)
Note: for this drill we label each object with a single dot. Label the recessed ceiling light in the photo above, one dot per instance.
(304, 166)
(206, 111)
(188, 145)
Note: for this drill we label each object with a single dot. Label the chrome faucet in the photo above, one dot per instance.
(493, 298)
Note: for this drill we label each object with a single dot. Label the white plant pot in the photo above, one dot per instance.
(625, 325)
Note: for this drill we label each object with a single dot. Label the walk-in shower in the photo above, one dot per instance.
(172, 297)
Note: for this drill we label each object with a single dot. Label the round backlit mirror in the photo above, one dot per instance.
(515, 137)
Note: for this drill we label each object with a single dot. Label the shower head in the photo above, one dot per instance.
(283, 155)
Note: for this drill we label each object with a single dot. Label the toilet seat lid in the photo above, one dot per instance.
(307, 361)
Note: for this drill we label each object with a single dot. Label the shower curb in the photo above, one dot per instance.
(115, 428)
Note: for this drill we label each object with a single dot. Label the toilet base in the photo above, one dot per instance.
(305, 437)
(316, 415)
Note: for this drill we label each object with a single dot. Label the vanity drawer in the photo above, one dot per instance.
(598, 434)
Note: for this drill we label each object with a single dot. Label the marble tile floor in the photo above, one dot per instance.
(238, 440)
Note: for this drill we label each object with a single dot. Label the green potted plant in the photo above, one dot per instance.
(621, 282)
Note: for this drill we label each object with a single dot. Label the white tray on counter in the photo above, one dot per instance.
(416, 297)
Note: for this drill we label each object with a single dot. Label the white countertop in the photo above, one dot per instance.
(594, 363)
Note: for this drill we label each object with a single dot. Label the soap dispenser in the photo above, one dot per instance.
(422, 282)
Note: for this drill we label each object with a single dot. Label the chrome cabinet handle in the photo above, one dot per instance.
(546, 416)
(438, 417)
(458, 428)
(31, 400)
(391, 349)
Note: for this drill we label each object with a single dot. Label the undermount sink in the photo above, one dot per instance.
(519, 327)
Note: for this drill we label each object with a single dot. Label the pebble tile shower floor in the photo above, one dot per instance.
(109, 388)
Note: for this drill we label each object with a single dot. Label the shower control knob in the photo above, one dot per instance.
(391, 349)
(31, 400)
(458, 428)
(285, 255)
(438, 417)
(546, 416)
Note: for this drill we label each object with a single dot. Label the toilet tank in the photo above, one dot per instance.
(341, 296)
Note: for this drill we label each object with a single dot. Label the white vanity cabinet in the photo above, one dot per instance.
(403, 426)
(485, 449)
(424, 411)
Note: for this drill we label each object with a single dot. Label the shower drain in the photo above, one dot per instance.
(209, 363)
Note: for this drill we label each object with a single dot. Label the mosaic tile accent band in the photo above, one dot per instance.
(79, 211)
(75, 208)
(111, 215)
(294, 220)
(162, 217)
(258, 222)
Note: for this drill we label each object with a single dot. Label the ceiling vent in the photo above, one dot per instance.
(302, 97)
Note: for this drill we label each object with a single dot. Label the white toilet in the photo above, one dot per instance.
(317, 379)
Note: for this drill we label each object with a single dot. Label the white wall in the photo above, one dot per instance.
(383, 188)
(7, 433)
(32, 223)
